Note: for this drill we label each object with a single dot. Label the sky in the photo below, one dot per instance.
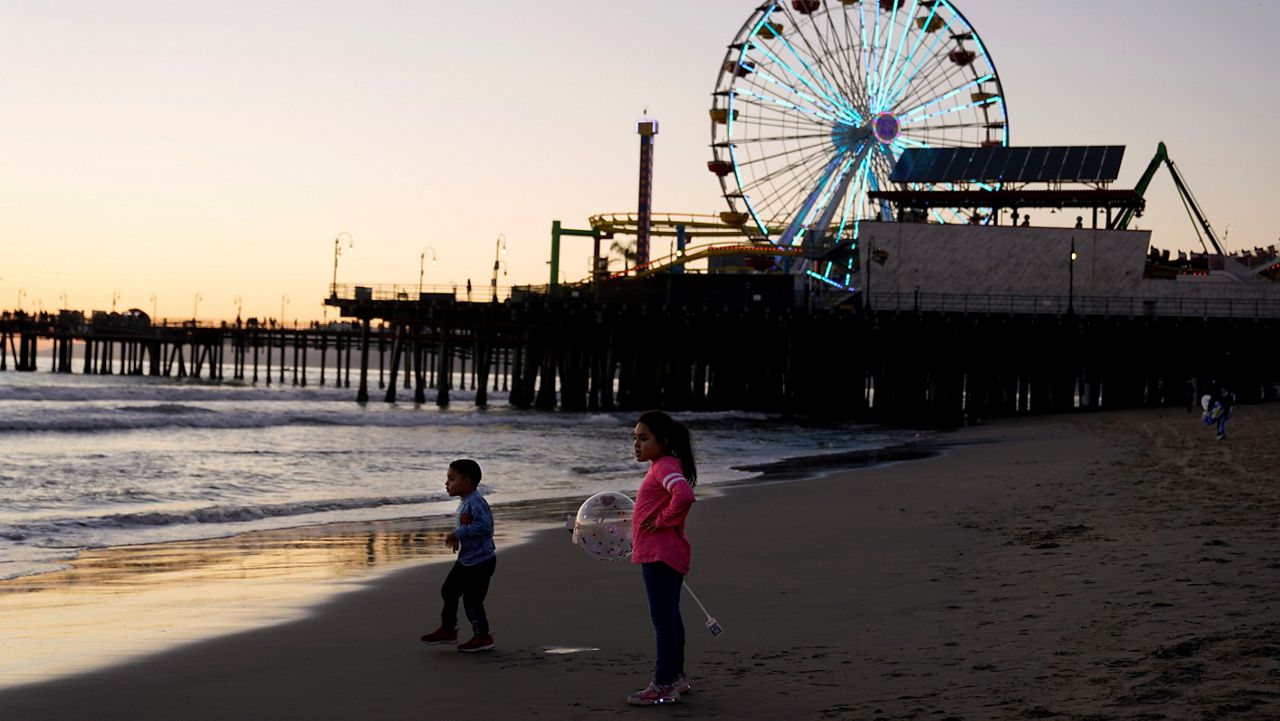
(200, 159)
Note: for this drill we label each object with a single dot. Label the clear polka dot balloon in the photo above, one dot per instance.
(603, 526)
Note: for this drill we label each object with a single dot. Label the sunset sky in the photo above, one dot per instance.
(215, 150)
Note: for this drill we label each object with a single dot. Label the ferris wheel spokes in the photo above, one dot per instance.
(765, 102)
(833, 99)
(818, 59)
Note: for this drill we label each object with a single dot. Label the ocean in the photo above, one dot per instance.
(93, 462)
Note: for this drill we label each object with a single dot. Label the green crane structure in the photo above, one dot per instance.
(1122, 220)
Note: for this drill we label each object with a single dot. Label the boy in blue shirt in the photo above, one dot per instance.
(472, 540)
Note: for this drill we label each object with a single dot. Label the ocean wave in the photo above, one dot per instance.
(211, 515)
(164, 409)
(163, 390)
(11, 569)
(253, 413)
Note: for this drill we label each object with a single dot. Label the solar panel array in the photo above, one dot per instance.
(1070, 164)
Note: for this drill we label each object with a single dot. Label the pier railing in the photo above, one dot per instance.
(878, 301)
(1133, 307)
(398, 292)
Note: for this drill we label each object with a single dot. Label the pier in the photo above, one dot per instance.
(190, 350)
(704, 342)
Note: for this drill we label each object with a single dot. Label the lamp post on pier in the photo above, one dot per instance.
(879, 256)
(115, 295)
(337, 251)
(422, 260)
(195, 308)
(153, 307)
(284, 300)
(1071, 279)
(21, 292)
(500, 248)
(63, 298)
(867, 301)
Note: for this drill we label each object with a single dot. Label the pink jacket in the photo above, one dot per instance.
(664, 496)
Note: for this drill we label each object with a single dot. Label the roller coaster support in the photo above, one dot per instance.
(556, 232)
(680, 243)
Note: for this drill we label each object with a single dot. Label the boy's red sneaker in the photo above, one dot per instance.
(442, 635)
(477, 643)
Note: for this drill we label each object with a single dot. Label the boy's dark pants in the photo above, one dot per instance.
(472, 584)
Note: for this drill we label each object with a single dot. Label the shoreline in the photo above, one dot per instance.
(546, 509)
(256, 579)
(1114, 565)
(210, 469)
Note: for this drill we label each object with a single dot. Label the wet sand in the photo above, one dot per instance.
(1115, 565)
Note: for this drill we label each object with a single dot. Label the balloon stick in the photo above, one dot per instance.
(712, 625)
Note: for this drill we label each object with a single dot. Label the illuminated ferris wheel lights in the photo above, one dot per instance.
(886, 127)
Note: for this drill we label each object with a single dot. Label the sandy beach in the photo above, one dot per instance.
(1104, 566)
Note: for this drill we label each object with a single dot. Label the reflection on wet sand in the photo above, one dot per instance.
(116, 604)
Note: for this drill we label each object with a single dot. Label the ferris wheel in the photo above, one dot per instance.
(815, 101)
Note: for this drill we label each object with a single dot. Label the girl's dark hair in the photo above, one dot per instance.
(674, 436)
(467, 468)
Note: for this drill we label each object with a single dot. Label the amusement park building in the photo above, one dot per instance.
(931, 264)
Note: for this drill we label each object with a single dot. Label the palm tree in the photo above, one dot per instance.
(626, 250)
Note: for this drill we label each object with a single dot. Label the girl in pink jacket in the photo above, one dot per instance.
(660, 546)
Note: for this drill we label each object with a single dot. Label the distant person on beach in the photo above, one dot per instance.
(1219, 405)
(472, 539)
(1227, 405)
(660, 546)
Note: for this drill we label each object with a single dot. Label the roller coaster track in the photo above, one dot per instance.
(689, 255)
(691, 225)
(669, 224)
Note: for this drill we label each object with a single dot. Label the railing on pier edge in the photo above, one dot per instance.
(1137, 306)
(877, 301)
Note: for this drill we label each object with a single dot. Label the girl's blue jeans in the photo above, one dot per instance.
(663, 585)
